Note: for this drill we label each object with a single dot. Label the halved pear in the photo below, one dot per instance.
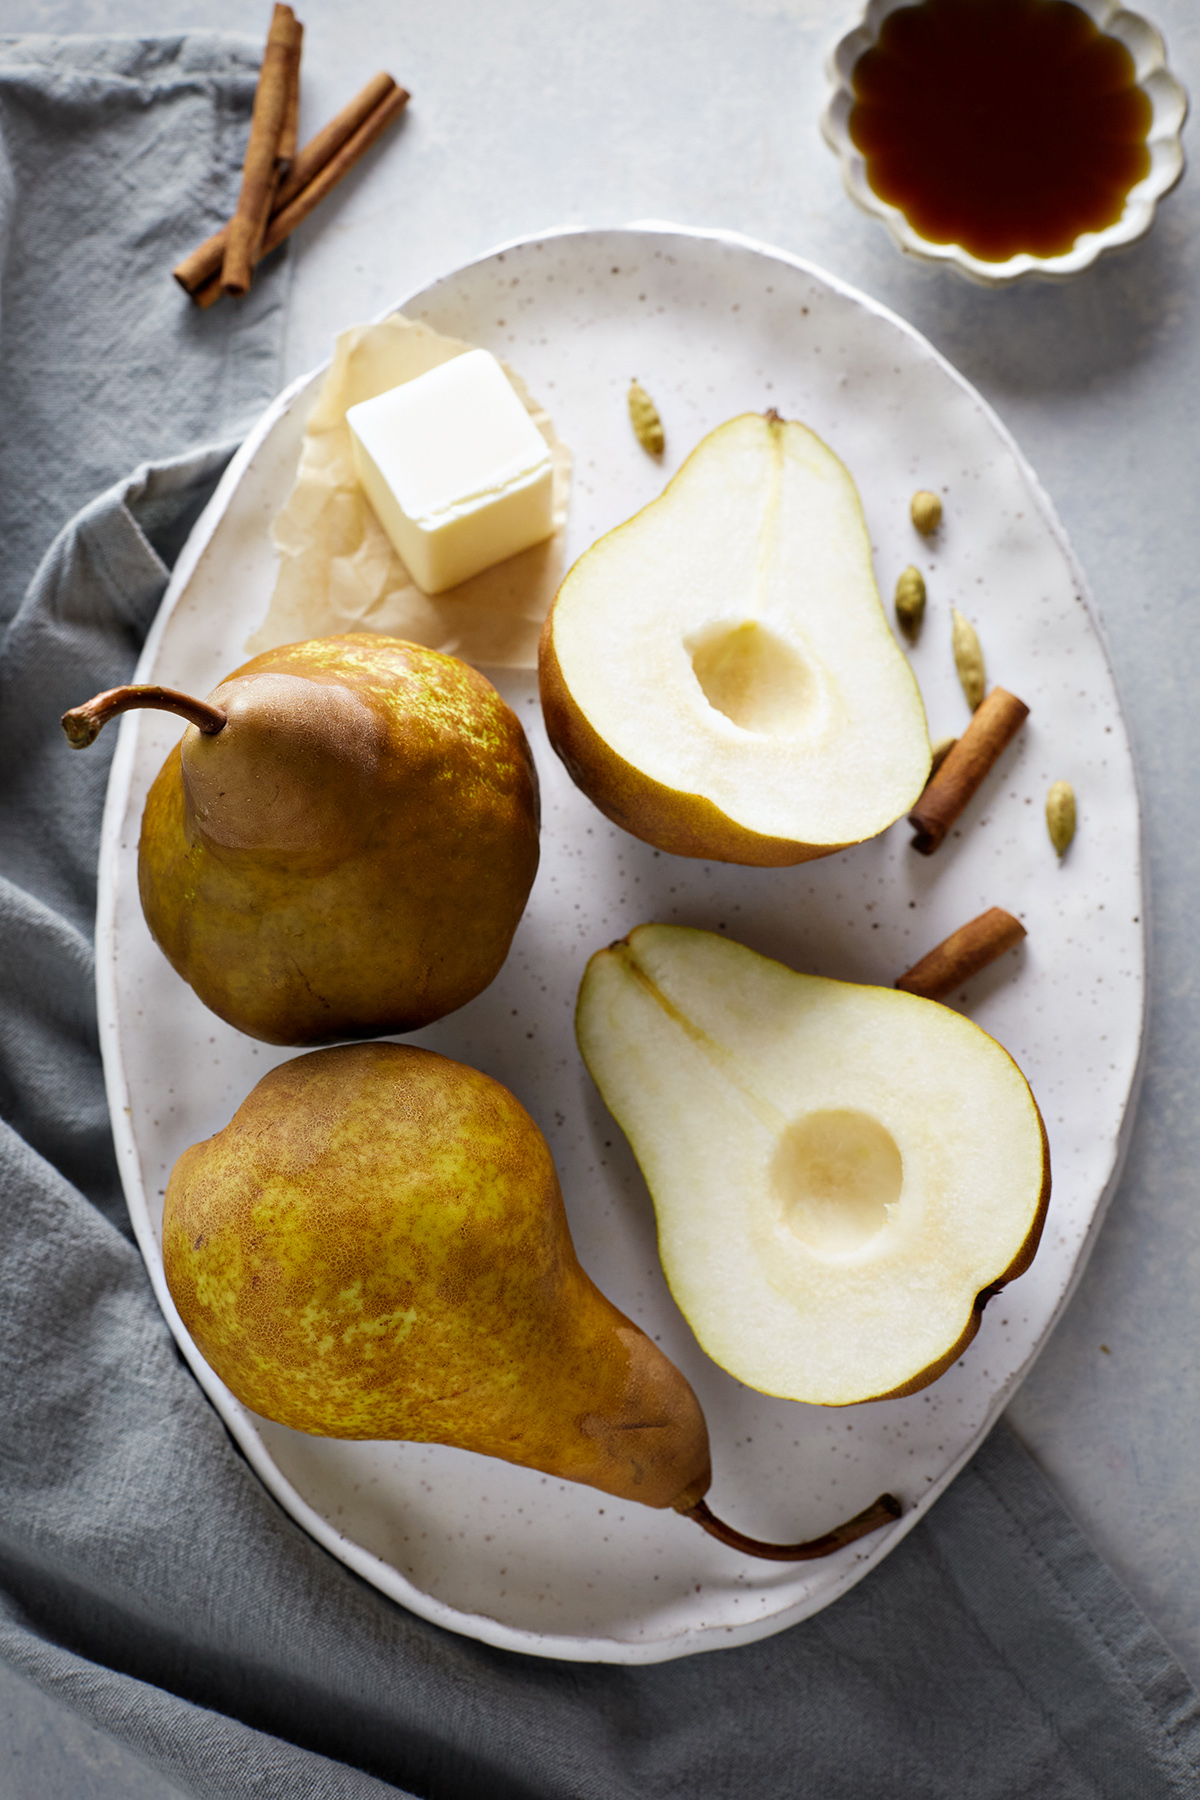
(843, 1175)
(718, 674)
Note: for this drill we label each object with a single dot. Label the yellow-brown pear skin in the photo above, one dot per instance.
(376, 1247)
(352, 852)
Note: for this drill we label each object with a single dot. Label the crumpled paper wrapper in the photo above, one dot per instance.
(338, 569)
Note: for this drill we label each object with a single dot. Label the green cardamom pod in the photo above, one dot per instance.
(1060, 815)
(644, 417)
(910, 602)
(940, 751)
(968, 659)
(926, 510)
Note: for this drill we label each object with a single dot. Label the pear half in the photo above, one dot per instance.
(842, 1175)
(718, 674)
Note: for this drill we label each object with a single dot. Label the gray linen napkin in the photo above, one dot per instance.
(146, 1578)
(117, 155)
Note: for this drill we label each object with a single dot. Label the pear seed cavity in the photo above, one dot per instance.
(836, 1173)
(756, 679)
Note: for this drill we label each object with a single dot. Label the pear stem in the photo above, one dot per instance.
(83, 724)
(881, 1512)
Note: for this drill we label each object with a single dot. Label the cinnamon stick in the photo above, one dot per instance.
(299, 201)
(285, 154)
(259, 173)
(991, 730)
(963, 954)
(205, 261)
(285, 221)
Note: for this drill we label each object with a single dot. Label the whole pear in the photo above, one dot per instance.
(376, 1247)
(344, 840)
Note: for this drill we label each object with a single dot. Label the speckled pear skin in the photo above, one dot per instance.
(376, 1247)
(352, 853)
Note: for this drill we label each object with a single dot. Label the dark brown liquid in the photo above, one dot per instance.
(1000, 125)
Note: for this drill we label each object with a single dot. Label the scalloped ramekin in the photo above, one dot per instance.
(1168, 103)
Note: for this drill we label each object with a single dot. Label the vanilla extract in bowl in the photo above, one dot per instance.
(1003, 126)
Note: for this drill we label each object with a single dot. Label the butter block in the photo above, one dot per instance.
(458, 474)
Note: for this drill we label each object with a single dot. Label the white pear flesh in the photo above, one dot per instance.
(718, 673)
(842, 1175)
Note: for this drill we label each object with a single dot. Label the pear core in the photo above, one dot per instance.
(758, 681)
(842, 1175)
(718, 674)
(836, 1174)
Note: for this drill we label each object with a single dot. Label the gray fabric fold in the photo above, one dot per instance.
(147, 1580)
(117, 156)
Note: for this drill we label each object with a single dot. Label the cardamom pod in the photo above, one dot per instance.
(910, 602)
(1060, 815)
(643, 415)
(968, 659)
(926, 510)
(940, 752)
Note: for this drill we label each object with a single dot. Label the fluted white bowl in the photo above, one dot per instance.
(1168, 102)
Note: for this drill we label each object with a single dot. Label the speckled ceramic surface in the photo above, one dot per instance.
(1168, 109)
(712, 325)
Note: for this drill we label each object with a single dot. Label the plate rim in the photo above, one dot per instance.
(238, 1421)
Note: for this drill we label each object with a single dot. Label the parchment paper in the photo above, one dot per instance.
(338, 569)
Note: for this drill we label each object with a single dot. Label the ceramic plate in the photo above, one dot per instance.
(712, 325)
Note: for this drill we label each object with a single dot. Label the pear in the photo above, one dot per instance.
(718, 674)
(376, 1247)
(342, 844)
(842, 1175)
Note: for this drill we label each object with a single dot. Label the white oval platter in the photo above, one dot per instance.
(713, 325)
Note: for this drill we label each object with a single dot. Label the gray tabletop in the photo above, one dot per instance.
(704, 112)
